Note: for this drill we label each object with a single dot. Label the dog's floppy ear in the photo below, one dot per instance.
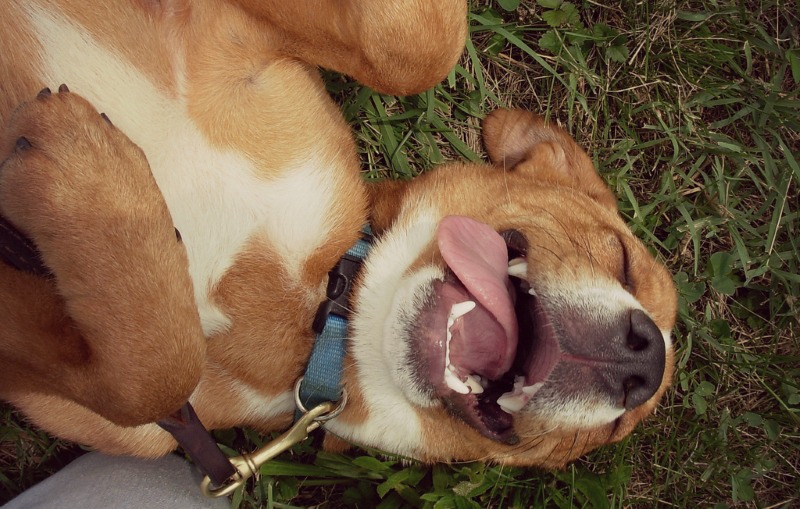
(520, 141)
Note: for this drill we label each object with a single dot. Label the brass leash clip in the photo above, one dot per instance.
(248, 465)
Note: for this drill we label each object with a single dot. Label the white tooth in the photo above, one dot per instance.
(455, 383)
(530, 390)
(514, 400)
(460, 309)
(511, 403)
(531, 291)
(474, 384)
(518, 269)
(450, 379)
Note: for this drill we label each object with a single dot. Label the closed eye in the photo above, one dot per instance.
(625, 276)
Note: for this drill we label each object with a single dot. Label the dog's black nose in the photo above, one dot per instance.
(623, 359)
(641, 377)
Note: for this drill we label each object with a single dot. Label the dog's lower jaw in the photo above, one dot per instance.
(387, 416)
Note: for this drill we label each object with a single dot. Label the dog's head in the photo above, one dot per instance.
(507, 313)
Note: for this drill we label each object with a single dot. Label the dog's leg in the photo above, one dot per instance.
(115, 329)
(394, 46)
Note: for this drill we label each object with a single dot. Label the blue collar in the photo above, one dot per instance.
(322, 380)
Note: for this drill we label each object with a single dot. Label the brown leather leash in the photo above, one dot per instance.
(197, 442)
(18, 251)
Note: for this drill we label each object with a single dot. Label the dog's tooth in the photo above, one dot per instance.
(450, 379)
(514, 400)
(530, 390)
(474, 384)
(454, 382)
(511, 403)
(460, 309)
(531, 291)
(518, 268)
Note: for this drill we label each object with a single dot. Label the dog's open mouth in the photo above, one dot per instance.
(484, 340)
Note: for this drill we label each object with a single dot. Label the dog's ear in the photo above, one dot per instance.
(520, 141)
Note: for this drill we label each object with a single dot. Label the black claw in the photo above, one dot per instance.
(45, 92)
(23, 143)
(178, 235)
(105, 117)
(63, 88)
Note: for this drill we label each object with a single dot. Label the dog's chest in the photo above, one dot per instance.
(218, 198)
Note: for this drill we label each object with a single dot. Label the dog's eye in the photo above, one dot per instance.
(624, 275)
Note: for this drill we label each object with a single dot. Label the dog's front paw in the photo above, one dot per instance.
(83, 193)
(65, 166)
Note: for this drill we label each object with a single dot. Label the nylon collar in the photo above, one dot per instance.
(322, 380)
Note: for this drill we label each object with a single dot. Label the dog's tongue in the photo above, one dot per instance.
(478, 256)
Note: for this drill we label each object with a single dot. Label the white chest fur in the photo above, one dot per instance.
(216, 197)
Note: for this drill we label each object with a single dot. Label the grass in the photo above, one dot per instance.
(691, 112)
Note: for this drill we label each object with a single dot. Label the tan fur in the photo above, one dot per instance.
(113, 342)
(98, 279)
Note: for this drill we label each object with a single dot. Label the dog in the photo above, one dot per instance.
(192, 185)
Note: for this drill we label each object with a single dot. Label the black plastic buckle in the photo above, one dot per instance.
(340, 281)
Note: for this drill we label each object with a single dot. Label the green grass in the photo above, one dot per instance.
(691, 112)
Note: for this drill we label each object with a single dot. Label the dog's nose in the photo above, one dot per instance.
(641, 377)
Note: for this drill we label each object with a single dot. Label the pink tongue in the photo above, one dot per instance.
(477, 255)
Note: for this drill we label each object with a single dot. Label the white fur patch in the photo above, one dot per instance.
(392, 423)
(584, 412)
(216, 199)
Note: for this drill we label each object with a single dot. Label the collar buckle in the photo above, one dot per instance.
(340, 281)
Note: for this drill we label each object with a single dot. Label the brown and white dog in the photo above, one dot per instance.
(505, 313)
